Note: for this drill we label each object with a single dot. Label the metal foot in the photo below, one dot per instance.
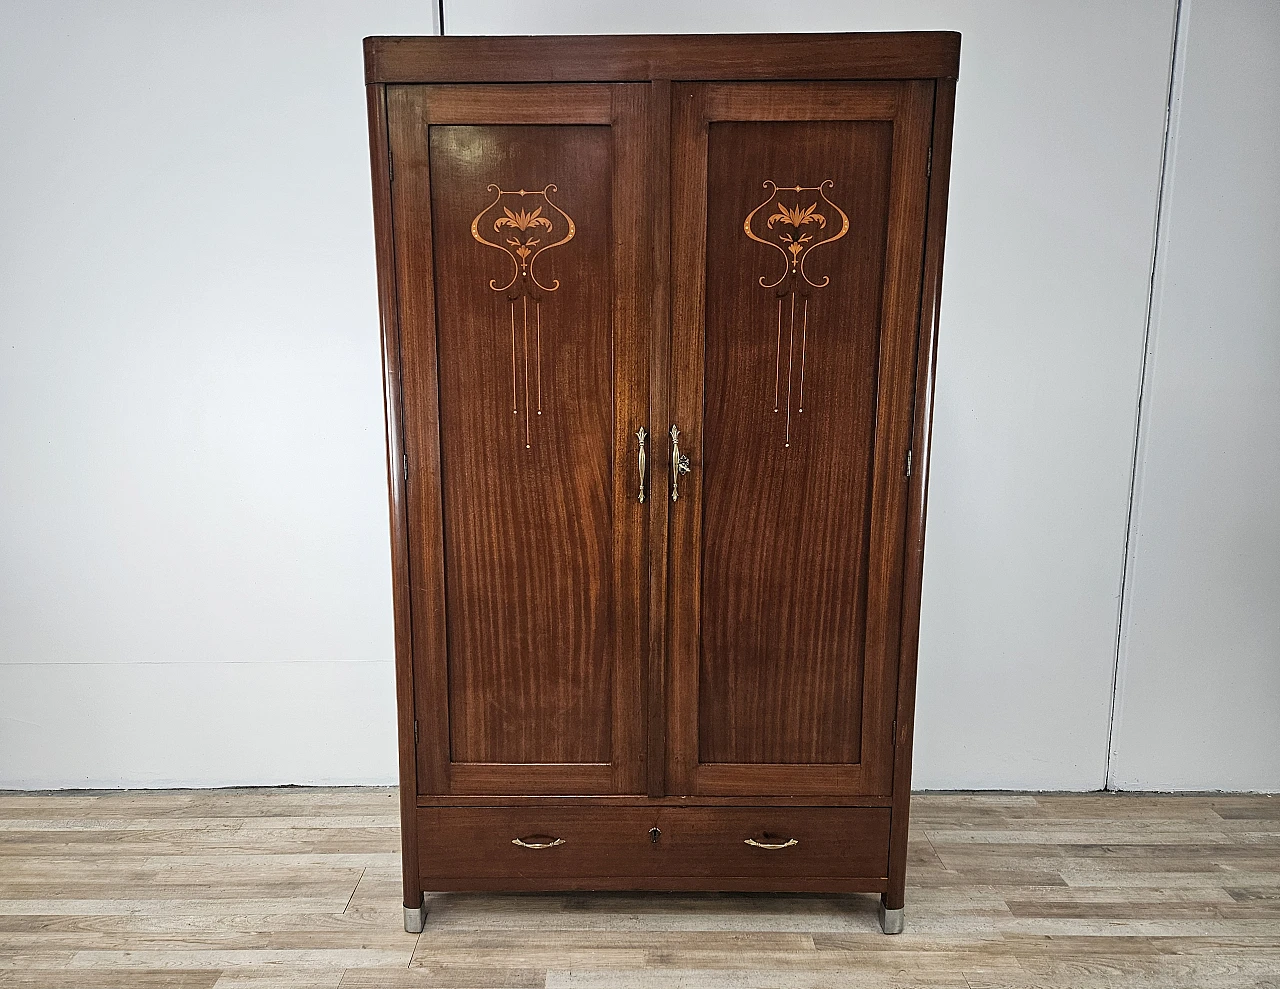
(892, 921)
(415, 919)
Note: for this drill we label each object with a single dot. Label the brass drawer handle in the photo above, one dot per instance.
(537, 841)
(764, 844)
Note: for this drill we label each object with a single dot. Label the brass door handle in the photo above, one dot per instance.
(764, 844)
(641, 435)
(679, 464)
(537, 841)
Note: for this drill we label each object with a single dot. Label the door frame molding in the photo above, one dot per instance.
(417, 489)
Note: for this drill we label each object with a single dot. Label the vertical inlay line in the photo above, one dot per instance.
(525, 307)
(777, 368)
(804, 338)
(791, 346)
(514, 410)
(537, 306)
(808, 230)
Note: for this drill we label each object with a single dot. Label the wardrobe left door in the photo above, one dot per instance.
(522, 262)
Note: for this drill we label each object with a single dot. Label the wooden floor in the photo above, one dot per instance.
(300, 887)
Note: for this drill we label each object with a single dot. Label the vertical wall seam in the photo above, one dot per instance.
(1134, 465)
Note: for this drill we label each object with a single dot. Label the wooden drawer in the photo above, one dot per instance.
(473, 847)
(477, 843)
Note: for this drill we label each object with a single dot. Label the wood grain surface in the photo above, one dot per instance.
(785, 525)
(900, 55)
(526, 436)
(918, 489)
(389, 326)
(300, 888)
(694, 848)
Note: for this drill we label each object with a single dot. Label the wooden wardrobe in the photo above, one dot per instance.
(658, 322)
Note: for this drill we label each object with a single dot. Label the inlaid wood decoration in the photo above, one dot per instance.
(794, 228)
(531, 225)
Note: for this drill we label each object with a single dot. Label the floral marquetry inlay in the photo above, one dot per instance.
(796, 208)
(524, 224)
(799, 219)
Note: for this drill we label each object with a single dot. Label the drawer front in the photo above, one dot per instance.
(559, 843)
(460, 843)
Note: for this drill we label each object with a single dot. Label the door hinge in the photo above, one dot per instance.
(908, 463)
(928, 165)
(415, 731)
(895, 733)
(391, 167)
(406, 466)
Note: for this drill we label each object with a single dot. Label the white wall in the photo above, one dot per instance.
(1058, 136)
(194, 563)
(1199, 700)
(194, 575)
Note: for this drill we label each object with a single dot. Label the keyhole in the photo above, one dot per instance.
(655, 834)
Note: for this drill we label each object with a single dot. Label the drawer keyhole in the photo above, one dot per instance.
(655, 834)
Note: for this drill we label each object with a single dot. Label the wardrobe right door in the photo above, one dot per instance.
(798, 216)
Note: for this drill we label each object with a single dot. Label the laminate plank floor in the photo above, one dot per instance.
(299, 888)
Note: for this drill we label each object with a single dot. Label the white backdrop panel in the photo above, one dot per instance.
(1199, 700)
(194, 564)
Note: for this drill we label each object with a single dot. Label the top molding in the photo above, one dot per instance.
(644, 57)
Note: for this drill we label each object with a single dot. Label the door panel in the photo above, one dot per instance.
(794, 356)
(525, 382)
(527, 545)
(780, 674)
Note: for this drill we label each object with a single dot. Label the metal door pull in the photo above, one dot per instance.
(641, 435)
(679, 464)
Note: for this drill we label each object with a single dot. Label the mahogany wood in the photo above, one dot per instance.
(461, 845)
(625, 799)
(738, 663)
(658, 155)
(418, 431)
(922, 426)
(517, 883)
(388, 312)
(641, 58)
(785, 523)
(528, 543)
(563, 104)
(688, 282)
